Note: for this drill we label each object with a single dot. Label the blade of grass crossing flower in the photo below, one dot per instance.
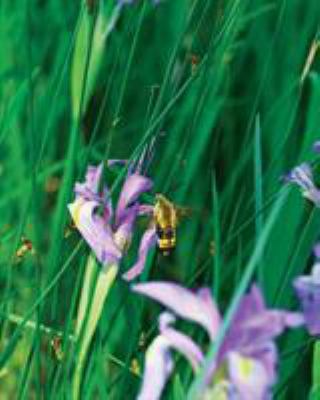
(248, 273)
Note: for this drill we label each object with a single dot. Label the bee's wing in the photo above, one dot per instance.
(188, 212)
(183, 212)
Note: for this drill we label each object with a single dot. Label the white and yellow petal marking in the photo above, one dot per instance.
(95, 230)
(221, 391)
(75, 210)
(249, 376)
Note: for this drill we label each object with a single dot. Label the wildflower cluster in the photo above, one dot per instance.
(302, 175)
(245, 367)
(246, 363)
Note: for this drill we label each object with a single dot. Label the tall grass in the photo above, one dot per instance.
(230, 92)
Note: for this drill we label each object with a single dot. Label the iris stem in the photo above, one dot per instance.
(89, 313)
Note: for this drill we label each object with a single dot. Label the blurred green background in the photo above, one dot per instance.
(230, 90)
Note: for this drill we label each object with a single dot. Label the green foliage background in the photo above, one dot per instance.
(220, 85)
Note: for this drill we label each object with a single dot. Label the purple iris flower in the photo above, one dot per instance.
(307, 288)
(302, 176)
(245, 367)
(316, 146)
(108, 231)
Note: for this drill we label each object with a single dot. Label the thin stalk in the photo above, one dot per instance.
(88, 325)
(315, 388)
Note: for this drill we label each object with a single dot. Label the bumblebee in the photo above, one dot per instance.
(165, 215)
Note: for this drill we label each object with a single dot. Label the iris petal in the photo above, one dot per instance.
(89, 189)
(94, 230)
(185, 303)
(133, 187)
(123, 234)
(254, 325)
(147, 242)
(249, 377)
(158, 368)
(307, 288)
(303, 177)
(180, 342)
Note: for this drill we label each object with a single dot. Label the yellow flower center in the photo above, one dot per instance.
(75, 211)
(246, 367)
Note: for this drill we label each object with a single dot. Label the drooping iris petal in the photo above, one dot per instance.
(186, 304)
(133, 187)
(157, 370)
(303, 177)
(145, 209)
(249, 377)
(90, 188)
(179, 341)
(147, 242)
(94, 230)
(307, 288)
